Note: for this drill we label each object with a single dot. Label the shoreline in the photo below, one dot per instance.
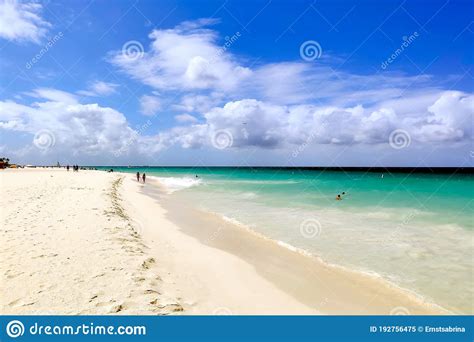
(416, 297)
(196, 222)
(129, 248)
(304, 268)
(209, 281)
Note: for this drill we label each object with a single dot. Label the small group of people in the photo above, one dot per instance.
(340, 196)
(143, 177)
(74, 168)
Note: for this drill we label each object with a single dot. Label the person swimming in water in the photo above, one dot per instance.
(338, 198)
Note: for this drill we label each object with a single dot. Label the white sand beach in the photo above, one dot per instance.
(93, 242)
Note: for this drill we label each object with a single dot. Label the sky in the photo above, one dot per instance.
(244, 83)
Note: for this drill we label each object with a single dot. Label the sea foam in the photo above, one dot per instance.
(172, 184)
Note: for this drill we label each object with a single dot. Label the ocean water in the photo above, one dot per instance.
(415, 230)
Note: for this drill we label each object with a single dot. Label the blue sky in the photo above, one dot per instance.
(237, 82)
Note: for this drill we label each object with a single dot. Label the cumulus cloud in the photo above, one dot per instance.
(22, 21)
(185, 57)
(260, 124)
(90, 129)
(76, 128)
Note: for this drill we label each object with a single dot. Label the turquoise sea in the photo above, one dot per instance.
(415, 230)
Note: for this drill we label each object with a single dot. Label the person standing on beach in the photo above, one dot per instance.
(144, 177)
(138, 176)
(67, 168)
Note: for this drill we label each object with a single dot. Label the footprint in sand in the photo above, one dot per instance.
(117, 308)
(151, 291)
(147, 263)
(14, 302)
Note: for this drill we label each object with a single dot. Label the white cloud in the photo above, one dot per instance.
(451, 118)
(260, 124)
(282, 104)
(78, 129)
(91, 130)
(22, 21)
(268, 106)
(198, 103)
(192, 61)
(149, 104)
(185, 57)
(54, 95)
(183, 118)
(100, 88)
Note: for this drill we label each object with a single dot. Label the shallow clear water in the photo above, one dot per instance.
(415, 230)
